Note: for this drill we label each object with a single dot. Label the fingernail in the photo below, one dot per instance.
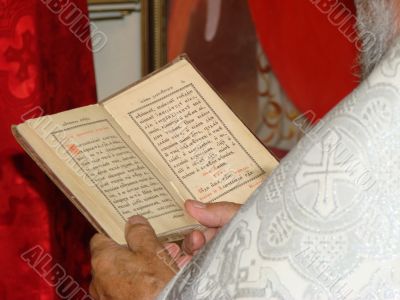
(173, 250)
(136, 220)
(197, 204)
(191, 242)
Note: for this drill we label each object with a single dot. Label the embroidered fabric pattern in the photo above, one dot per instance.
(327, 222)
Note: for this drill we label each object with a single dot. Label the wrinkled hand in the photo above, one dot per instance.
(213, 216)
(139, 270)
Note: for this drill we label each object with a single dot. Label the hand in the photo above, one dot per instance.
(213, 216)
(139, 270)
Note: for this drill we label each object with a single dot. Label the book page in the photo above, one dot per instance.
(107, 172)
(189, 133)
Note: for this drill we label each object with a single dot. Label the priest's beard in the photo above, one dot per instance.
(377, 25)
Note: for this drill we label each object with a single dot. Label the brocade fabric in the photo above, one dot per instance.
(326, 223)
(44, 69)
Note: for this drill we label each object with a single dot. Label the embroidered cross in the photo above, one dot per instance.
(24, 56)
(325, 172)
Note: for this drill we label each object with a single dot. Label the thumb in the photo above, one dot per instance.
(140, 236)
(212, 214)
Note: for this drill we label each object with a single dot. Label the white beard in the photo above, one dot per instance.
(379, 18)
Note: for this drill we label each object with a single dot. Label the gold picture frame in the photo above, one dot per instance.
(102, 10)
(112, 1)
(154, 47)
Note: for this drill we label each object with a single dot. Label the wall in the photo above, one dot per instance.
(118, 64)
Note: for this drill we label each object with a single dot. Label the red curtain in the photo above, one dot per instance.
(44, 68)
(312, 49)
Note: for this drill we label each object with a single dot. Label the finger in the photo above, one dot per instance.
(173, 250)
(140, 236)
(212, 214)
(209, 234)
(193, 242)
(197, 240)
(100, 247)
(183, 261)
(100, 242)
(93, 291)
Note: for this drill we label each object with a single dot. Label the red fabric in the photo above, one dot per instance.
(314, 62)
(43, 66)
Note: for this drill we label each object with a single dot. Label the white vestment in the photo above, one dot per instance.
(326, 223)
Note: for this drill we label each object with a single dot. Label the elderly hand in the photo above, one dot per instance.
(213, 216)
(139, 270)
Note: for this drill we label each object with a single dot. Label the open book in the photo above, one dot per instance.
(146, 150)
